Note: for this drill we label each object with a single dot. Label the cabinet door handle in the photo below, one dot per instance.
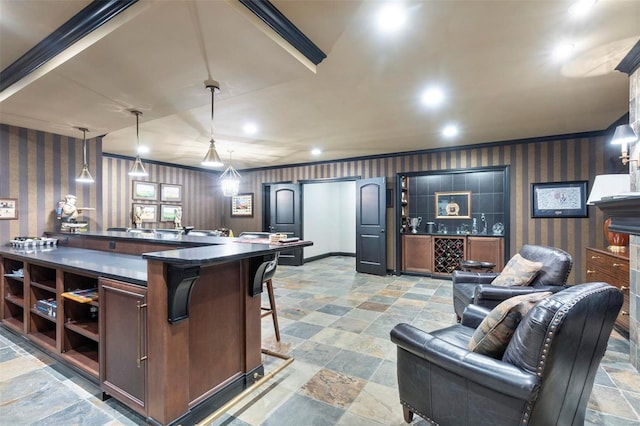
(140, 358)
(589, 272)
(624, 313)
(624, 288)
(617, 265)
(595, 257)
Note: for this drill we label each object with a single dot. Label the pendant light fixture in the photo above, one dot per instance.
(85, 175)
(230, 180)
(212, 159)
(137, 169)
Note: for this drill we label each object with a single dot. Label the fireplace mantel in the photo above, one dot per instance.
(624, 213)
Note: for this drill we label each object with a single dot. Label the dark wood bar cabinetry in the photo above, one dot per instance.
(441, 254)
(172, 334)
(611, 268)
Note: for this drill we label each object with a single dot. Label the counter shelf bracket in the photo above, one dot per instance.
(257, 268)
(180, 281)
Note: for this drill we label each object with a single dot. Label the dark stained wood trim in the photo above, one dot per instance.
(84, 22)
(624, 212)
(271, 16)
(631, 62)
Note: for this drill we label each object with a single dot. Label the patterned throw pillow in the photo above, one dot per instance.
(494, 332)
(518, 271)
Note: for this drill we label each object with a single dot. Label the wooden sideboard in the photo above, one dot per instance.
(441, 254)
(611, 268)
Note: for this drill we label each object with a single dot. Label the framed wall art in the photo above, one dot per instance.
(242, 205)
(453, 205)
(170, 193)
(559, 199)
(168, 212)
(145, 190)
(8, 208)
(146, 213)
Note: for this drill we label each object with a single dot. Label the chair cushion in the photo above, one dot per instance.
(492, 336)
(518, 271)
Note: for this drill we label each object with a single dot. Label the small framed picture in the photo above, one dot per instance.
(8, 208)
(168, 212)
(145, 213)
(559, 199)
(170, 193)
(145, 190)
(242, 205)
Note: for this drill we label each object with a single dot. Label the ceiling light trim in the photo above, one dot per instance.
(279, 23)
(90, 18)
(631, 62)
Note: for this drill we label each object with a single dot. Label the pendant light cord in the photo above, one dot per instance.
(212, 96)
(84, 146)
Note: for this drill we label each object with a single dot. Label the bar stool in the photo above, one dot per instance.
(267, 275)
(269, 272)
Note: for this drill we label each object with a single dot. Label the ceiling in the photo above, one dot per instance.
(492, 59)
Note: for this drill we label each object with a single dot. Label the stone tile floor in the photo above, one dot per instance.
(335, 323)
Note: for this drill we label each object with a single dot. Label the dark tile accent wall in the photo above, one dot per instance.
(487, 196)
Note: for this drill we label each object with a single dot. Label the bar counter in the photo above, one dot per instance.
(178, 332)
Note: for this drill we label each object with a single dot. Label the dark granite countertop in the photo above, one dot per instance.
(124, 267)
(200, 250)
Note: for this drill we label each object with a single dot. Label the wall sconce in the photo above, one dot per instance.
(623, 136)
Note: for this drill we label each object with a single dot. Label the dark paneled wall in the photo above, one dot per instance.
(562, 159)
(39, 169)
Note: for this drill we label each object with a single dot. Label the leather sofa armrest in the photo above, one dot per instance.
(491, 373)
(473, 277)
(490, 295)
(473, 315)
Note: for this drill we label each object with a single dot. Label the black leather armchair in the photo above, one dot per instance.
(544, 378)
(476, 288)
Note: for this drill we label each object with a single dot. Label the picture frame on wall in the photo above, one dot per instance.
(242, 205)
(559, 199)
(170, 193)
(453, 205)
(8, 208)
(148, 213)
(168, 212)
(145, 190)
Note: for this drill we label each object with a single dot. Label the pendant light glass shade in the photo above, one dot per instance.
(137, 169)
(230, 180)
(85, 175)
(212, 159)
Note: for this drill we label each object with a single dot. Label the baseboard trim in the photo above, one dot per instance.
(322, 256)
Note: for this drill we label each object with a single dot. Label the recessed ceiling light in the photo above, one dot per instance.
(563, 51)
(433, 96)
(250, 128)
(450, 131)
(316, 151)
(143, 149)
(581, 8)
(391, 17)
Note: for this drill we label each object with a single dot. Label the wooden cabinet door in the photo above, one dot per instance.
(486, 249)
(417, 253)
(123, 346)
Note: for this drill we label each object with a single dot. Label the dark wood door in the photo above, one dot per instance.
(285, 217)
(123, 343)
(371, 221)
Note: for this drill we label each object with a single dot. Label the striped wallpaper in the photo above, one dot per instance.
(35, 167)
(198, 189)
(39, 169)
(543, 160)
